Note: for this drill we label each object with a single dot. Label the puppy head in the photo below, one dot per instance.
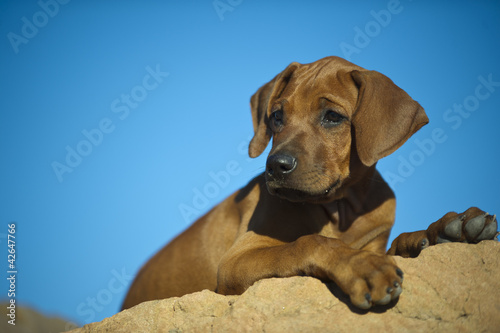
(328, 119)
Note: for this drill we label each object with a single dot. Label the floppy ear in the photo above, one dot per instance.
(260, 104)
(385, 116)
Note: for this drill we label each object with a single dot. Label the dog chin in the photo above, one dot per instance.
(298, 195)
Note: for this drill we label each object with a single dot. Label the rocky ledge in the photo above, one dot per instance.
(448, 288)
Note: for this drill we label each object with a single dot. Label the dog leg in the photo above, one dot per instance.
(367, 277)
(471, 226)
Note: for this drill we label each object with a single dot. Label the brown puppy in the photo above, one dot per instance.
(320, 208)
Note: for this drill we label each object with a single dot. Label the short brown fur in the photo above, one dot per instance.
(330, 218)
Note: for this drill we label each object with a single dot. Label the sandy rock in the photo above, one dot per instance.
(448, 288)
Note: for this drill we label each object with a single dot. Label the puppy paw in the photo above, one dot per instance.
(370, 279)
(471, 226)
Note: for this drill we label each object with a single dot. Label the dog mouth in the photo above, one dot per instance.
(296, 194)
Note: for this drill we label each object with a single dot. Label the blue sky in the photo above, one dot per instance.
(116, 118)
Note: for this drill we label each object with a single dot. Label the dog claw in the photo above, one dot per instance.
(385, 300)
(424, 244)
(367, 303)
(489, 231)
(475, 225)
(397, 291)
(400, 273)
(454, 229)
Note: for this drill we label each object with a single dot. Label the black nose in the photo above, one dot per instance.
(279, 165)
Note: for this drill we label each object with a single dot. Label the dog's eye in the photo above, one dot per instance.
(331, 119)
(276, 120)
